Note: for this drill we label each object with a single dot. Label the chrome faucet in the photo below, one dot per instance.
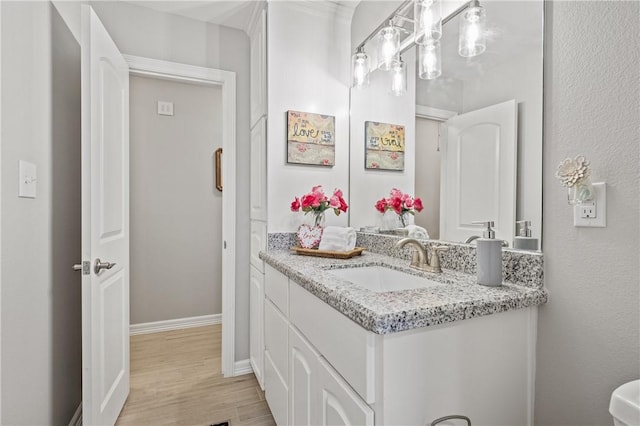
(420, 259)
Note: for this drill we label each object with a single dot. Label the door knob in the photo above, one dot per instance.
(99, 265)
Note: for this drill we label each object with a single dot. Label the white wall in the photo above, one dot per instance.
(308, 70)
(41, 363)
(143, 32)
(588, 335)
(176, 211)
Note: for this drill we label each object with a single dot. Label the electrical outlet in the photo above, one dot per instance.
(592, 214)
(588, 210)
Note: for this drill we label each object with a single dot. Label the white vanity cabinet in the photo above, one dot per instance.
(301, 387)
(335, 372)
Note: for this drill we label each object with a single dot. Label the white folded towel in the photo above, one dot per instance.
(416, 231)
(337, 238)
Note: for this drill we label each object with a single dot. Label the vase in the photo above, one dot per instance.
(319, 219)
(581, 192)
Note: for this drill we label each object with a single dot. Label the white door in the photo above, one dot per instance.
(105, 224)
(478, 181)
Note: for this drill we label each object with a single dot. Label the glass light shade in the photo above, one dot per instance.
(472, 24)
(399, 78)
(360, 70)
(388, 47)
(429, 60)
(428, 18)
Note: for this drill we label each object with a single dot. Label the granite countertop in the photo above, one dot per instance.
(458, 299)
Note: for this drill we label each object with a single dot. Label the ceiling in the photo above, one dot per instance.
(230, 13)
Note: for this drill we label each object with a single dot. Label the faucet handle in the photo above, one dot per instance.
(435, 257)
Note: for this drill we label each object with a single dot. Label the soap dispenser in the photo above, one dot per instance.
(489, 257)
(524, 240)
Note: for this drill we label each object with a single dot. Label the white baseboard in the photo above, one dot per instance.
(76, 420)
(242, 367)
(174, 324)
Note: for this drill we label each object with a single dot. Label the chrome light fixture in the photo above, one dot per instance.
(388, 47)
(399, 78)
(360, 69)
(472, 24)
(428, 20)
(429, 60)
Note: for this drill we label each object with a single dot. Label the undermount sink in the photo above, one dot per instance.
(380, 279)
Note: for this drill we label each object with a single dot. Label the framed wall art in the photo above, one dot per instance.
(384, 146)
(311, 138)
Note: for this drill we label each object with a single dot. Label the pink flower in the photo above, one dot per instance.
(325, 162)
(393, 156)
(343, 205)
(408, 202)
(295, 205)
(307, 201)
(381, 205)
(317, 202)
(302, 148)
(417, 204)
(396, 204)
(374, 165)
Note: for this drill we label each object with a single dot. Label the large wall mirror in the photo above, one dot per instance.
(473, 134)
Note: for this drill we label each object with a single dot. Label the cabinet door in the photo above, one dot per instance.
(256, 323)
(303, 383)
(258, 73)
(276, 338)
(276, 392)
(339, 404)
(258, 243)
(258, 173)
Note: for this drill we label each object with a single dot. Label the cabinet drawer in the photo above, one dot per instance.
(277, 289)
(347, 346)
(276, 338)
(276, 392)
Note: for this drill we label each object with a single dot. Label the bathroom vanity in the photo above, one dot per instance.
(342, 346)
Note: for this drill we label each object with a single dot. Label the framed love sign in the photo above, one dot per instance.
(384, 145)
(311, 138)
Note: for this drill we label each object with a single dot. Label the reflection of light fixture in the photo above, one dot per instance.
(428, 20)
(360, 69)
(399, 78)
(427, 31)
(388, 47)
(429, 61)
(471, 41)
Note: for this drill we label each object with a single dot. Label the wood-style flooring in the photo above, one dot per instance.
(176, 380)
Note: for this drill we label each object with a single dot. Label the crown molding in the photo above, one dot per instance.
(254, 16)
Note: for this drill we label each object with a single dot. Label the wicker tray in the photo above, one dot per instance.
(328, 253)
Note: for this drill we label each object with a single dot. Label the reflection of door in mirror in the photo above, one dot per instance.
(478, 172)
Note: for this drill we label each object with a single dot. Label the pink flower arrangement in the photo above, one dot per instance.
(317, 202)
(400, 203)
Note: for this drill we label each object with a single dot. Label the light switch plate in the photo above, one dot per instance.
(592, 214)
(28, 178)
(165, 108)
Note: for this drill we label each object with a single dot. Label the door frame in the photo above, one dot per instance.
(178, 72)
